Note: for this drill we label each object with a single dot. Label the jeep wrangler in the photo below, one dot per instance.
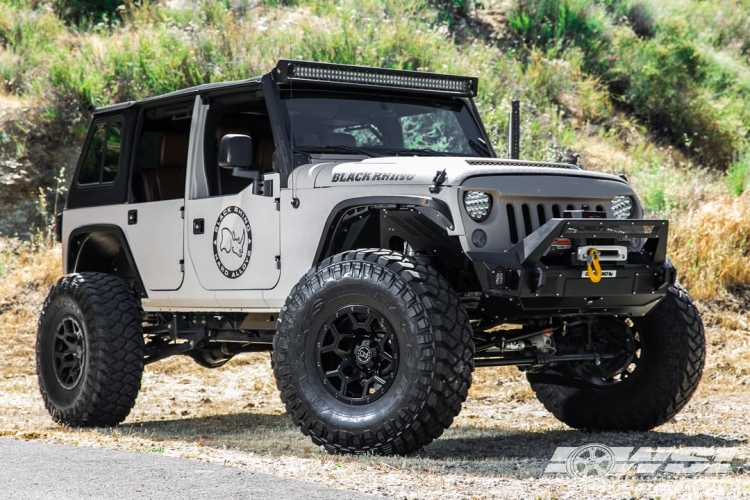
(357, 223)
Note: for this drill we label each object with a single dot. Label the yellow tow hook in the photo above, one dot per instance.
(592, 265)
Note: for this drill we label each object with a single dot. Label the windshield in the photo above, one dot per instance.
(382, 126)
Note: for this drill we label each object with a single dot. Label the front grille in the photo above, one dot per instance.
(528, 217)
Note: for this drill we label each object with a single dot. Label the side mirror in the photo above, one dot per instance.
(236, 150)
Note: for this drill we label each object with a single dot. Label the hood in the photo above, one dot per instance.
(422, 171)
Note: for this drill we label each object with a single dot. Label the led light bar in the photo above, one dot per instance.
(290, 71)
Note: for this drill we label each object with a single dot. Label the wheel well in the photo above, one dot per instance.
(418, 231)
(103, 249)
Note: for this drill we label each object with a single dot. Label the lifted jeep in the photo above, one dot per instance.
(357, 223)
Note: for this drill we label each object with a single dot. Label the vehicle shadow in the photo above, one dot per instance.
(483, 451)
(243, 431)
(524, 445)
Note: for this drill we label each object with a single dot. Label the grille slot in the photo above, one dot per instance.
(512, 225)
(556, 211)
(527, 226)
(540, 213)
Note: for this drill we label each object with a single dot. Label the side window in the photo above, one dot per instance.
(103, 155)
(112, 152)
(89, 173)
(161, 153)
(243, 114)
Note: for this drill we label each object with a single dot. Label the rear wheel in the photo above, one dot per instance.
(89, 350)
(654, 378)
(373, 353)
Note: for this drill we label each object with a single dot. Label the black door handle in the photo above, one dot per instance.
(198, 226)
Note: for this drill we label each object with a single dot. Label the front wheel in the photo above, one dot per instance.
(89, 350)
(373, 353)
(665, 349)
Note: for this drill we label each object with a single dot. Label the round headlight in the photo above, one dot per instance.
(622, 207)
(478, 204)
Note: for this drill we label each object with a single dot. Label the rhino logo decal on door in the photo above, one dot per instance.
(232, 241)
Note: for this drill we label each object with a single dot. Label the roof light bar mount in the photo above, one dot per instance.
(289, 71)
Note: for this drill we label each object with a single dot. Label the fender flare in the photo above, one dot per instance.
(434, 209)
(110, 237)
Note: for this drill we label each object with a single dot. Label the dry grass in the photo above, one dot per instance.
(710, 244)
(498, 447)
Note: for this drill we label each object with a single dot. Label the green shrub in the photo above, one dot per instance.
(663, 81)
(738, 174)
(641, 20)
(75, 11)
(559, 23)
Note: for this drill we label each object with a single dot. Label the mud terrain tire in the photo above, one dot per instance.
(89, 350)
(388, 312)
(665, 376)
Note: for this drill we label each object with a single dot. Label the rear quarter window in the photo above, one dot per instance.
(102, 159)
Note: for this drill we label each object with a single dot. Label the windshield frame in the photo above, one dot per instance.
(421, 98)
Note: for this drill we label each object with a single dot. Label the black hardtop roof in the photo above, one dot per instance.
(178, 94)
(307, 72)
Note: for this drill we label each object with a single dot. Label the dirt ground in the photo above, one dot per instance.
(498, 447)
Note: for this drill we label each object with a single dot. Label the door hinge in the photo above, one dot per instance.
(182, 265)
(182, 212)
(278, 262)
(277, 202)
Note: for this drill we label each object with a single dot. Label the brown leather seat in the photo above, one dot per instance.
(167, 182)
(264, 154)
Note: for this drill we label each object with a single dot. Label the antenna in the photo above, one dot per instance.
(514, 131)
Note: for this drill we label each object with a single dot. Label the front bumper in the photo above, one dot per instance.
(520, 284)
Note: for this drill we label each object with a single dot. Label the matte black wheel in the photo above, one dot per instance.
(89, 350)
(654, 378)
(373, 353)
(357, 355)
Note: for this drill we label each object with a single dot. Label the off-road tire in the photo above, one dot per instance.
(434, 340)
(102, 309)
(666, 376)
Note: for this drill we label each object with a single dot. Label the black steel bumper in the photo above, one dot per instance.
(517, 283)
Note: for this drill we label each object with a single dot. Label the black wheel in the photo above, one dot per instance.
(89, 350)
(373, 353)
(654, 378)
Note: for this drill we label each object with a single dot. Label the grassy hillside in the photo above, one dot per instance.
(659, 90)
